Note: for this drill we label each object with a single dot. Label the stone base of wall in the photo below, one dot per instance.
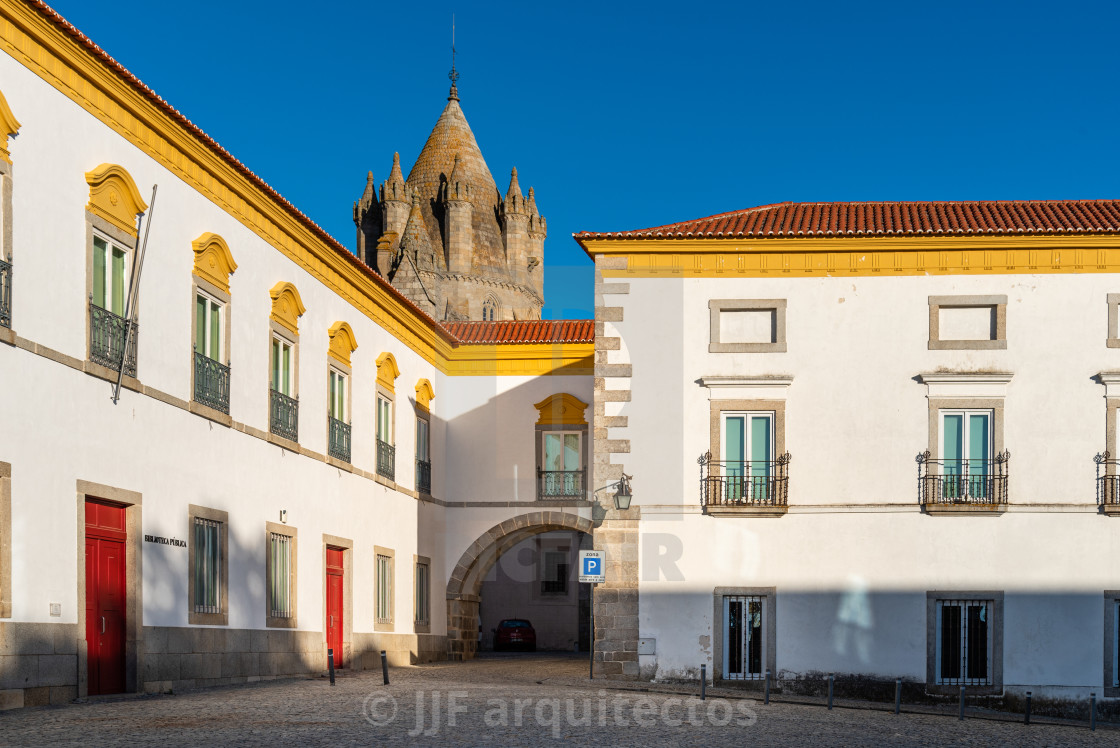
(38, 664)
(39, 661)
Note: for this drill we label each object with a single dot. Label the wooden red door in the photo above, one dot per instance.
(334, 620)
(106, 598)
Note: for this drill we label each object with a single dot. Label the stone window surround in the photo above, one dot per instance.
(348, 395)
(5, 537)
(769, 596)
(134, 582)
(424, 625)
(276, 330)
(346, 545)
(1111, 600)
(97, 224)
(716, 306)
(997, 641)
(387, 394)
(221, 618)
(538, 436)
(275, 622)
(998, 302)
(224, 298)
(385, 624)
(938, 404)
(718, 407)
(1111, 379)
(423, 414)
(1113, 299)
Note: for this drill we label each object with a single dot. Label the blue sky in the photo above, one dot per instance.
(626, 116)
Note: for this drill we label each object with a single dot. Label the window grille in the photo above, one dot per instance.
(743, 632)
(964, 642)
(207, 565)
(280, 575)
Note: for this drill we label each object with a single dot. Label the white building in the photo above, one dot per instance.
(299, 459)
(862, 441)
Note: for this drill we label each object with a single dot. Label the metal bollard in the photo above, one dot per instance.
(330, 664)
(767, 686)
(1093, 712)
(831, 680)
(961, 715)
(1027, 713)
(703, 681)
(897, 695)
(384, 669)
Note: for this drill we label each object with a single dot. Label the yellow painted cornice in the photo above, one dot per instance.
(213, 261)
(113, 196)
(857, 256)
(287, 306)
(523, 359)
(424, 394)
(561, 410)
(342, 342)
(9, 126)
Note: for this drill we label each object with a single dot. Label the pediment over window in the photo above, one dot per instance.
(113, 196)
(387, 370)
(424, 394)
(342, 342)
(561, 409)
(213, 261)
(9, 126)
(287, 307)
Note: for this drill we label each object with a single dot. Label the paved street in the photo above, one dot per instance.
(499, 700)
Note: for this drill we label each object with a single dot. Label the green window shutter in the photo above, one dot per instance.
(978, 436)
(118, 282)
(952, 427)
(760, 438)
(99, 261)
(571, 451)
(200, 324)
(215, 331)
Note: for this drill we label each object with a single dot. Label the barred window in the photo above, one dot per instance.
(964, 642)
(421, 604)
(207, 565)
(384, 589)
(280, 575)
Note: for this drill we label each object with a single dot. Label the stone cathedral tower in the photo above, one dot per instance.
(446, 237)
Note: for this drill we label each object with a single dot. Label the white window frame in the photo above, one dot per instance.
(126, 282)
(964, 486)
(291, 346)
(207, 326)
(336, 375)
(388, 425)
(561, 434)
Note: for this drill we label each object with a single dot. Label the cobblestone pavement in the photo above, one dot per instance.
(499, 700)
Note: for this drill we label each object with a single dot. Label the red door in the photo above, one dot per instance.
(334, 603)
(105, 596)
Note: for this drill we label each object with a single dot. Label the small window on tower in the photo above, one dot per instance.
(489, 310)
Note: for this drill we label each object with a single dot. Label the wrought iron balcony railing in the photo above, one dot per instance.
(211, 383)
(386, 460)
(424, 476)
(5, 294)
(338, 439)
(283, 415)
(561, 484)
(106, 340)
(977, 482)
(1108, 482)
(731, 483)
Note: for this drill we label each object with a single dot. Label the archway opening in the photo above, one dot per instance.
(466, 585)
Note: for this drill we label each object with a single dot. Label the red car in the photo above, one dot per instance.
(515, 633)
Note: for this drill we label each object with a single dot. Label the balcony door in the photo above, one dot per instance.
(748, 454)
(561, 462)
(966, 443)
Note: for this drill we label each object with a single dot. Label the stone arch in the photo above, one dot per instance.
(466, 579)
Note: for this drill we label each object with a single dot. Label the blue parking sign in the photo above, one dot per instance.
(592, 567)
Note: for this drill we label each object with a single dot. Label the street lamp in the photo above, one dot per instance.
(622, 494)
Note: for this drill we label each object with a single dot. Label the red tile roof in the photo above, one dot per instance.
(522, 331)
(897, 219)
(53, 16)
